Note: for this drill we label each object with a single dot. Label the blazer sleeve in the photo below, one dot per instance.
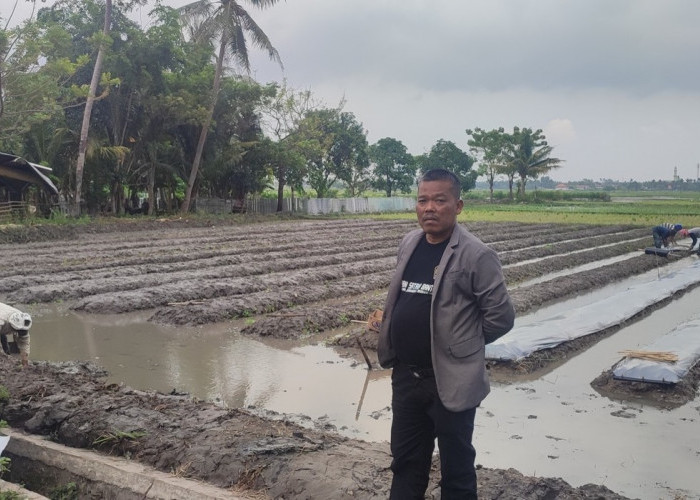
(498, 312)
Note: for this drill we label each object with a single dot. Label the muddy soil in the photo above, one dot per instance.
(230, 448)
(289, 279)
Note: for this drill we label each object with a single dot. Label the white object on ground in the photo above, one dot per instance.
(572, 324)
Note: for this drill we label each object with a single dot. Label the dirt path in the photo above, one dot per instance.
(291, 279)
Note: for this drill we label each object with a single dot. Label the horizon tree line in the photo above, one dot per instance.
(170, 110)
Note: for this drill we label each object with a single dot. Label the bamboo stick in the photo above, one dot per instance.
(663, 356)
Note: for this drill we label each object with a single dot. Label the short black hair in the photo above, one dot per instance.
(440, 174)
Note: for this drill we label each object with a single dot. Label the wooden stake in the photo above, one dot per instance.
(369, 364)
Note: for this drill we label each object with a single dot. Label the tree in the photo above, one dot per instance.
(32, 83)
(350, 154)
(529, 155)
(96, 74)
(242, 163)
(229, 22)
(489, 148)
(282, 115)
(394, 166)
(146, 109)
(446, 154)
(335, 147)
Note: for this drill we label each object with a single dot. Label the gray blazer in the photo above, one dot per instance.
(470, 307)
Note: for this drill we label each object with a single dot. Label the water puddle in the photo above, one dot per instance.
(217, 363)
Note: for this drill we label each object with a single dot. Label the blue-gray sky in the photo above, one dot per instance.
(614, 84)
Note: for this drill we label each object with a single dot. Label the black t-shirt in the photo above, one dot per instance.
(410, 318)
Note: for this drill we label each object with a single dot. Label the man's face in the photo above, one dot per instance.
(437, 209)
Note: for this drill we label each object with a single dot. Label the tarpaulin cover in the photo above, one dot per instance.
(579, 322)
(683, 341)
(657, 251)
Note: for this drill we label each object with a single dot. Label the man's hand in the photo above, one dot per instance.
(374, 322)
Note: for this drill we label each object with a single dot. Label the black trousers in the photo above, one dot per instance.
(419, 417)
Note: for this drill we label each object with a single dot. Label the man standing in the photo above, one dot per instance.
(446, 300)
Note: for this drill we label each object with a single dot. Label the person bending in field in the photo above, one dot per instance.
(675, 227)
(14, 332)
(694, 234)
(663, 236)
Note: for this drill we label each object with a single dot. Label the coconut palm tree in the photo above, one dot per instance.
(227, 23)
(529, 156)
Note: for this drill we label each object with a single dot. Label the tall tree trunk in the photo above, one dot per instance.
(281, 174)
(82, 148)
(151, 191)
(205, 128)
(510, 187)
(523, 181)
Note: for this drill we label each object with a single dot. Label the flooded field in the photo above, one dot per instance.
(259, 317)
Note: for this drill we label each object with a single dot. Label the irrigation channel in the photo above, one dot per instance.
(155, 308)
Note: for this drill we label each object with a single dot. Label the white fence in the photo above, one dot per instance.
(311, 206)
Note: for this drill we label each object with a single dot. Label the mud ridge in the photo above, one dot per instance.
(224, 447)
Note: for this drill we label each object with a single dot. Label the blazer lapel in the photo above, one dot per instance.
(446, 256)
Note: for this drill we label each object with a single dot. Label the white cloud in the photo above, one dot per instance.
(559, 131)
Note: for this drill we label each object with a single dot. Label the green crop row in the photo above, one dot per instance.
(641, 211)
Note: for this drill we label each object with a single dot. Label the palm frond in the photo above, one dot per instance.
(257, 35)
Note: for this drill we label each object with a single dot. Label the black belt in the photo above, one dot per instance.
(419, 372)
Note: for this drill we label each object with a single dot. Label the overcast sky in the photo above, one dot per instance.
(614, 84)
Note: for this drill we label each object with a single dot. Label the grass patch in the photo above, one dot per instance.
(116, 437)
(628, 211)
(11, 495)
(66, 492)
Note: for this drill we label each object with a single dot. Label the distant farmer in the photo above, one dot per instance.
(14, 332)
(663, 235)
(675, 227)
(447, 299)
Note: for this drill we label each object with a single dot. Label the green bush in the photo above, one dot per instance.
(66, 492)
(10, 495)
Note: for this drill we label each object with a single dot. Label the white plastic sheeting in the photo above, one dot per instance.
(3, 442)
(683, 341)
(579, 322)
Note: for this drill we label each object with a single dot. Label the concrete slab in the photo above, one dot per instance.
(115, 477)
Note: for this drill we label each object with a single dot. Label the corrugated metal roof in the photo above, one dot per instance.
(17, 173)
